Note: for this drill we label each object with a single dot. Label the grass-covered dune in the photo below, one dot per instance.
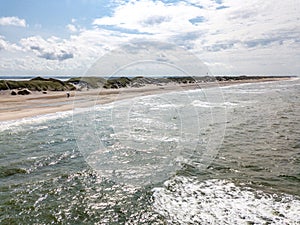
(121, 82)
(85, 83)
(37, 84)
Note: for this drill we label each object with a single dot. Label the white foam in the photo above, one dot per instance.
(280, 83)
(249, 91)
(186, 201)
(204, 104)
(35, 120)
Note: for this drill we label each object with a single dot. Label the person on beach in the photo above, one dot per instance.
(68, 94)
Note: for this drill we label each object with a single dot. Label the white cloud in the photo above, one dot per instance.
(7, 46)
(233, 36)
(3, 44)
(238, 21)
(71, 28)
(153, 17)
(228, 30)
(51, 49)
(38, 55)
(12, 21)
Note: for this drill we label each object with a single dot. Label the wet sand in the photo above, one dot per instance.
(37, 103)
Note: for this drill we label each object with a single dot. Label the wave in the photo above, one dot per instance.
(186, 201)
(35, 120)
(10, 171)
(166, 101)
(204, 104)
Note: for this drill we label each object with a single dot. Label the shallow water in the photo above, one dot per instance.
(177, 158)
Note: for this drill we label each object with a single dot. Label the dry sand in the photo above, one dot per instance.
(37, 103)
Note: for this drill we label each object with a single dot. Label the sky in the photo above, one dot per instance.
(231, 37)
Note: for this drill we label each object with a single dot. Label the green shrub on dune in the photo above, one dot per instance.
(119, 82)
(37, 84)
(87, 82)
(81, 83)
(184, 80)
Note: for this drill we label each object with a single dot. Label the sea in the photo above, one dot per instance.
(218, 155)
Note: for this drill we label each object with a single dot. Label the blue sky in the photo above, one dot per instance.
(65, 37)
(50, 17)
(51, 13)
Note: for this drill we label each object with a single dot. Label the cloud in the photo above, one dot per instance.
(221, 7)
(50, 49)
(61, 55)
(155, 20)
(187, 40)
(3, 44)
(221, 46)
(12, 21)
(54, 55)
(250, 23)
(197, 20)
(153, 17)
(247, 35)
(7, 46)
(71, 28)
(218, 1)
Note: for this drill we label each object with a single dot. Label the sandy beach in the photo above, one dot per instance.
(37, 103)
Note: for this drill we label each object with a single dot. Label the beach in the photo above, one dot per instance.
(22, 106)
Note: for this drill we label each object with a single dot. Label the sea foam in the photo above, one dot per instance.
(35, 120)
(186, 201)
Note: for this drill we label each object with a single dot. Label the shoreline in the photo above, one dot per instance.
(37, 103)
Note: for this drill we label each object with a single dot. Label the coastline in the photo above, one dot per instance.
(37, 103)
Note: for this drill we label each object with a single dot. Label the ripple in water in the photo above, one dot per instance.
(146, 140)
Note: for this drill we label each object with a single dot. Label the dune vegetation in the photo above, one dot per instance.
(86, 83)
(37, 84)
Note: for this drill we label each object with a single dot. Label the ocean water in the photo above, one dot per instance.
(228, 155)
